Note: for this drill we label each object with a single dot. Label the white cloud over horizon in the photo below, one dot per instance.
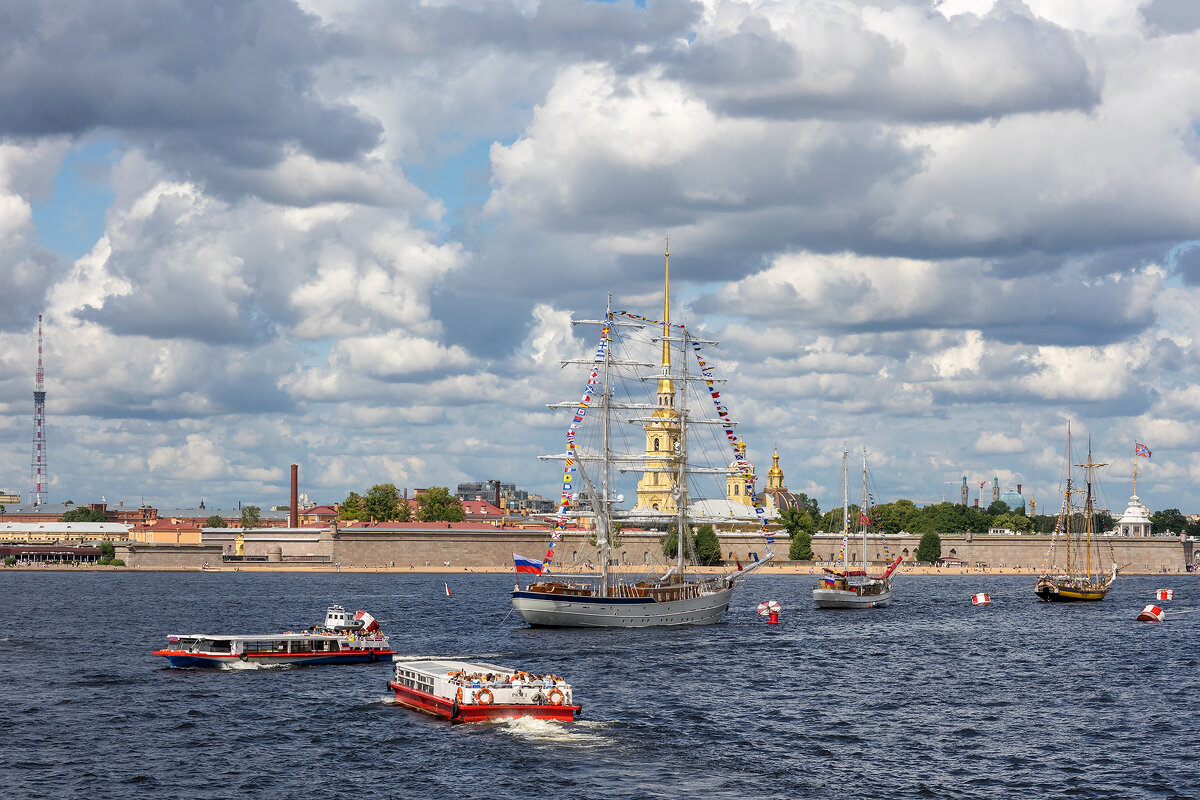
(352, 235)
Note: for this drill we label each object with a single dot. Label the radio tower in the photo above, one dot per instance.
(38, 477)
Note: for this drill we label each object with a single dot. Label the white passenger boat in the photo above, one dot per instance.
(343, 639)
(463, 691)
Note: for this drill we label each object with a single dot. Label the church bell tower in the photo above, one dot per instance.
(656, 488)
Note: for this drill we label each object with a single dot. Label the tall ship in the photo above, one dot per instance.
(685, 425)
(344, 638)
(847, 585)
(1070, 576)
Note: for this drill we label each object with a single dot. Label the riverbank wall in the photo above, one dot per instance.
(457, 547)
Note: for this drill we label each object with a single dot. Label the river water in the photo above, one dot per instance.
(930, 697)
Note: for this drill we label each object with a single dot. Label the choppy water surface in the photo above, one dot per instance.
(928, 698)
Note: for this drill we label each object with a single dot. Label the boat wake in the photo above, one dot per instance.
(244, 665)
(550, 731)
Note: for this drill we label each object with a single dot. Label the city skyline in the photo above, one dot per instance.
(351, 236)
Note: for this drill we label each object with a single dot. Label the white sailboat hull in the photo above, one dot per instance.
(847, 598)
(566, 611)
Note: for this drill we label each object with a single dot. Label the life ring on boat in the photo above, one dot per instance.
(556, 701)
(484, 697)
(243, 657)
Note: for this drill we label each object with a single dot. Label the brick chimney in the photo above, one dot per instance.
(294, 516)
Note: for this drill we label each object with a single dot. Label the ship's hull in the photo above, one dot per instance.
(561, 610)
(179, 658)
(848, 598)
(476, 712)
(1056, 592)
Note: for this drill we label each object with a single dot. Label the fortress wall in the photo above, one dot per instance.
(166, 556)
(1157, 554)
(495, 547)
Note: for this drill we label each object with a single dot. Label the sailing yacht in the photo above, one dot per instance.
(673, 427)
(1069, 582)
(844, 586)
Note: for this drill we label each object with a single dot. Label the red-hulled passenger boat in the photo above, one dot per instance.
(463, 691)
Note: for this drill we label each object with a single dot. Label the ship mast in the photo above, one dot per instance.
(1067, 501)
(681, 499)
(603, 530)
(862, 511)
(1088, 508)
(845, 512)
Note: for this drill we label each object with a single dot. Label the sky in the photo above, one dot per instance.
(351, 235)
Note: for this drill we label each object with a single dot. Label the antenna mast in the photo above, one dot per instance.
(37, 470)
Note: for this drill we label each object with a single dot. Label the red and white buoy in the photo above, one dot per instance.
(981, 599)
(770, 609)
(366, 621)
(1151, 614)
(1164, 594)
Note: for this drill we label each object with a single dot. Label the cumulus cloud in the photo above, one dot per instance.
(363, 228)
(903, 61)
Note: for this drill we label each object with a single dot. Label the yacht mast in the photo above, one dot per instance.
(1089, 508)
(862, 511)
(845, 511)
(1067, 501)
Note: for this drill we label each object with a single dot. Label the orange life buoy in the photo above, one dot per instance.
(484, 697)
(458, 695)
(556, 701)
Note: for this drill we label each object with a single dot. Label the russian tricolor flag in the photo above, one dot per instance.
(524, 564)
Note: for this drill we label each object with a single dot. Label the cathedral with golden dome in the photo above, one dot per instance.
(656, 489)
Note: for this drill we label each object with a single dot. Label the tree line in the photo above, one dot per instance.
(383, 503)
(904, 515)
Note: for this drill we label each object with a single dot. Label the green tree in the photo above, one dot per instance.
(891, 518)
(930, 547)
(215, 521)
(614, 536)
(796, 520)
(1, 509)
(997, 508)
(351, 507)
(381, 503)
(831, 521)
(1167, 520)
(107, 551)
(670, 540)
(251, 516)
(801, 547)
(436, 504)
(1014, 522)
(809, 505)
(83, 514)
(708, 548)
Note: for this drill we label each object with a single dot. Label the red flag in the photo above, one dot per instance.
(864, 519)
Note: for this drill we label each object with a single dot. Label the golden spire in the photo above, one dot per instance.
(775, 473)
(666, 331)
